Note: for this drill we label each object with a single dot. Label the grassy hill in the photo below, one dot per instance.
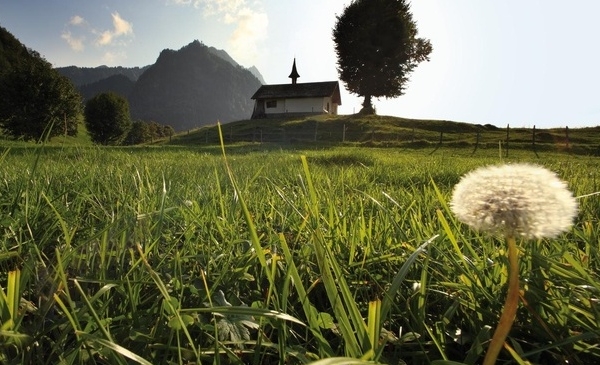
(394, 132)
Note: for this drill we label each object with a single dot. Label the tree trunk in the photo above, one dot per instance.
(367, 106)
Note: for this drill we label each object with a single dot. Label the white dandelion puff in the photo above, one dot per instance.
(518, 200)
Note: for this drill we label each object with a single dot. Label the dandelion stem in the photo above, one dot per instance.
(510, 305)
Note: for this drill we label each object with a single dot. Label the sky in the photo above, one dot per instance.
(515, 62)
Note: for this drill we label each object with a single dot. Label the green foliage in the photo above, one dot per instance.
(107, 118)
(12, 52)
(138, 134)
(377, 48)
(35, 100)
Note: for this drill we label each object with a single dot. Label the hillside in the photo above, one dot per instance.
(13, 53)
(193, 87)
(389, 131)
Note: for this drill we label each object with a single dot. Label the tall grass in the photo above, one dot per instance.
(182, 255)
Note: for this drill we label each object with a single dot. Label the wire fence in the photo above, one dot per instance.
(557, 139)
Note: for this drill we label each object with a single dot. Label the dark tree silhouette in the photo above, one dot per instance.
(107, 118)
(35, 100)
(377, 48)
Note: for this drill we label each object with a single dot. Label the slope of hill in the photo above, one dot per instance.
(193, 87)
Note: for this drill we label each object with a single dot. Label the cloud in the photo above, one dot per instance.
(219, 7)
(121, 27)
(250, 23)
(76, 43)
(179, 2)
(105, 38)
(251, 29)
(76, 20)
(78, 34)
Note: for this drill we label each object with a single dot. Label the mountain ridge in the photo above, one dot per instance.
(192, 87)
(186, 88)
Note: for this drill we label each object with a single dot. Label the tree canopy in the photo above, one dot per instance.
(377, 48)
(34, 98)
(142, 132)
(107, 118)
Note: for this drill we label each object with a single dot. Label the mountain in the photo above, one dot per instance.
(224, 55)
(80, 76)
(193, 87)
(256, 73)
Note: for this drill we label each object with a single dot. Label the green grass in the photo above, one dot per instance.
(277, 254)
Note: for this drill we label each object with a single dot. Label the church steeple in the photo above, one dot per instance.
(294, 75)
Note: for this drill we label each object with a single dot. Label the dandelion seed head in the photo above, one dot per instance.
(518, 200)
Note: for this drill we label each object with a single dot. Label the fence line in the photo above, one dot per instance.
(533, 139)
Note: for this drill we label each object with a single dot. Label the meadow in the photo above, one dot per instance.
(271, 254)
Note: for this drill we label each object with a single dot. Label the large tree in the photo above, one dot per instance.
(107, 118)
(36, 101)
(377, 48)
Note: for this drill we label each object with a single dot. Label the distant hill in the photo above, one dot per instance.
(193, 87)
(80, 76)
(118, 83)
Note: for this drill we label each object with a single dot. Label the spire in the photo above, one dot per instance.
(294, 75)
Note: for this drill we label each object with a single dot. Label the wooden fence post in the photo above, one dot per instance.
(533, 143)
(507, 137)
(567, 135)
(439, 143)
(344, 133)
(476, 143)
